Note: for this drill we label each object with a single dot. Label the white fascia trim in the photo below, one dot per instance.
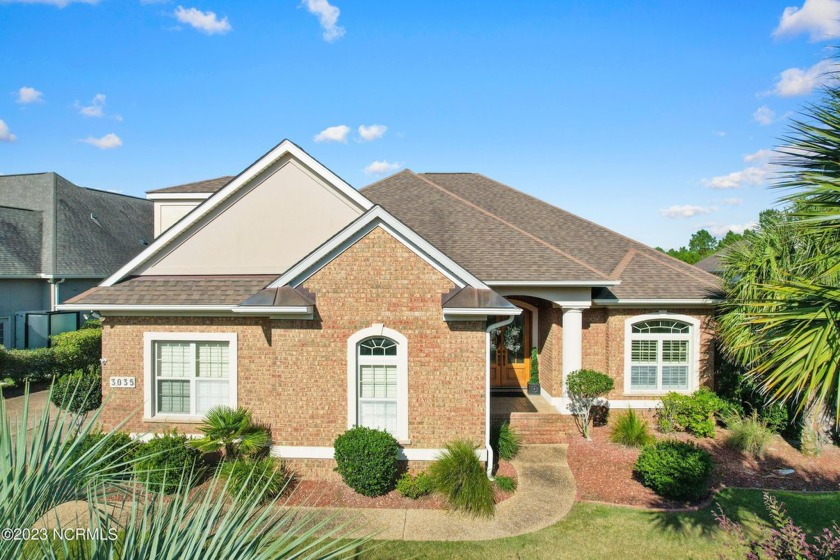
(364, 224)
(284, 148)
(179, 196)
(302, 452)
(637, 302)
(271, 310)
(554, 283)
(472, 311)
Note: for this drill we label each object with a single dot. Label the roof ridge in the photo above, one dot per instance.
(687, 271)
(512, 226)
(646, 250)
(389, 177)
(622, 264)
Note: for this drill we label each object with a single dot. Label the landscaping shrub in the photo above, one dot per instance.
(415, 486)
(749, 433)
(631, 430)
(113, 456)
(233, 431)
(505, 441)
(165, 460)
(76, 350)
(262, 479)
(505, 483)
(775, 415)
(23, 365)
(459, 476)
(80, 392)
(693, 413)
(675, 469)
(585, 387)
(367, 460)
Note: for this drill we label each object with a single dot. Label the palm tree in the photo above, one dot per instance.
(781, 316)
(234, 431)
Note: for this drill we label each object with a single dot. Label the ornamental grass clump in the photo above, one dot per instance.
(366, 459)
(675, 469)
(505, 441)
(631, 430)
(459, 475)
(749, 434)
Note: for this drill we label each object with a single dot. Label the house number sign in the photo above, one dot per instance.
(122, 382)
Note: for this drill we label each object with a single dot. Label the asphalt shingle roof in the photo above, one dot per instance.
(20, 241)
(199, 187)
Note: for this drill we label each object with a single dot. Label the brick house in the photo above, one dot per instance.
(401, 306)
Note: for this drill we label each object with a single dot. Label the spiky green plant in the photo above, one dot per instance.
(459, 476)
(41, 468)
(234, 431)
(631, 430)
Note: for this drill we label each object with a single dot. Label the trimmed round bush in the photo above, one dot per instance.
(266, 478)
(459, 475)
(675, 469)
(165, 461)
(367, 460)
(77, 350)
(113, 452)
(78, 393)
(415, 486)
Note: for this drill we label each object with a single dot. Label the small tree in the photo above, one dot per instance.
(234, 431)
(535, 367)
(584, 387)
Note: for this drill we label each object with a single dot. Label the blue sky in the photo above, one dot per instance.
(647, 117)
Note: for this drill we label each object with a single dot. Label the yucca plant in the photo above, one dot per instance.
(232, 430)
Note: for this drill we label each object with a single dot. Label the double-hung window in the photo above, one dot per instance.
(377, 388)
(660, 355)
(189, 374)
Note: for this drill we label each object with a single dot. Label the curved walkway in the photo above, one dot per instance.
(545, 495)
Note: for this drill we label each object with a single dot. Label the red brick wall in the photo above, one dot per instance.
(293, 374)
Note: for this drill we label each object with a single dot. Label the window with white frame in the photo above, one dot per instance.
(377, 389)
(190, 375)
(661, 355)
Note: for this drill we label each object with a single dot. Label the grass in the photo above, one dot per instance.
(599, 531)
(749, 434)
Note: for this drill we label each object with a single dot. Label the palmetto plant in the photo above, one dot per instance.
(234, 431)
(41, 468)
(781, 317)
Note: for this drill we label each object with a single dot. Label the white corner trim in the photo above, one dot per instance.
(149, 338)
(405, 454)
(284, 148)
(364, 224)
(554, 283)
(178, 196)
(638, 302)
(694, 349)
(400, 360)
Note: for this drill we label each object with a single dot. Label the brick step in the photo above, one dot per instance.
(536, 428)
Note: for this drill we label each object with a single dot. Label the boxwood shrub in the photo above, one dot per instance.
(367, 460)
(76, 350)
(78, 393)
(164, 461)
(693, 413)
(114, 454)
(415, 486)
(675, 469)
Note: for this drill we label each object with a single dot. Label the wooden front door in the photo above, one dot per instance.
(510, 353)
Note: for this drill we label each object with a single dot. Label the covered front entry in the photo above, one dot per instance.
(510, 353)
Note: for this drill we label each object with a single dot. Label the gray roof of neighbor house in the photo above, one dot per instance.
(499, 233)
(713, 263)
(50, 226)
(199, 187)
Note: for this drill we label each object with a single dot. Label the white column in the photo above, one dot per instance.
(572, 341)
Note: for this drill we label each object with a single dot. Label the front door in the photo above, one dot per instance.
(510, 353)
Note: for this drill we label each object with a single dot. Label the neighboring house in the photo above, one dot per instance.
(56, 241)
(713, 264)
(400, 306)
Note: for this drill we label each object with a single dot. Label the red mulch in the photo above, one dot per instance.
(604, 471)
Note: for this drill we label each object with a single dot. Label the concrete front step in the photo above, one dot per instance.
(541, 428)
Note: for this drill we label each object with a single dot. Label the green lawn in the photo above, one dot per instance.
(596, 531)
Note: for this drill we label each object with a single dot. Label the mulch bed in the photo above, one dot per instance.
(603, 470)
(316, 493)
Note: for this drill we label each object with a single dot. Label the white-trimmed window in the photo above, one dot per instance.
(661, 354)
(378, 381)
(187, 374)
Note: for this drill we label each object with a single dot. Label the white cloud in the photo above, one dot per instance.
(797, 81)
(381, 167)
(732, 201)
(333, 134)
(206, 22)
(58, 3)
(720, 231)
(372, 132)
(819, 18)
(28, 95)
(96, 108)
(755, 175)
(6, 134)
(107, 142)
(327, 15)
(760, 155)
(686, 211)
(764, 115)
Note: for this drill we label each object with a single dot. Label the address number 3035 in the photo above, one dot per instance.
(122, 382)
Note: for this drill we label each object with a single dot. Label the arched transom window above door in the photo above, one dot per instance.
(661, 354)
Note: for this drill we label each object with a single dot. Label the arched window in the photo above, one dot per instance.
(377, 381)
(661, 354)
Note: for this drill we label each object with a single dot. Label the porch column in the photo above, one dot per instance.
(572, 341)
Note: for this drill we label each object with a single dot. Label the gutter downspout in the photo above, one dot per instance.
(487, 446)
(55, 299)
